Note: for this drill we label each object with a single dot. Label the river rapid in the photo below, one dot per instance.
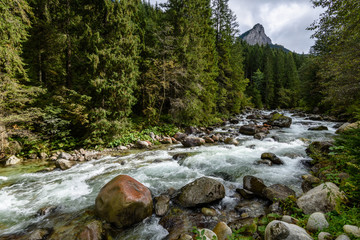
(23, 193)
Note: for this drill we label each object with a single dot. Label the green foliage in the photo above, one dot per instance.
(347, 216)
(200, 234)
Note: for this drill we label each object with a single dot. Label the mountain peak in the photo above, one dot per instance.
(256, 36)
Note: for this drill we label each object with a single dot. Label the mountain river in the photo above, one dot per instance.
(23, 193)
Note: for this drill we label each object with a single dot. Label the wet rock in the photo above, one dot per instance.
(208, 211)
(209, 139)
(249, 129)
(185, 237)
(279, 120)
(319, 128)
(64, 155)
(315, 118)
(251, 208)
(322, 147)
(162, 205)
(13, 160)
(322, 198)
(348, 126)
(234, 121)
(64, 164)
(39, 234)
(180, 136)
(325, 236)
(232, 141)
(245, 193)
(91, 231)
(201, 191)
(352, 230)
(309, 182)
(123, 202)
(216, 137)
(143, 144)
(307, 163)
(266, 162)
(192, 142)
(278, 192)
(316, 222)
(273, 158)
(278, 230)
(222, 231)
(254, 184)
(260, 136)
(180, 156)
(46, 210)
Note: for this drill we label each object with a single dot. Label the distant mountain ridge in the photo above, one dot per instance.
(257, 35)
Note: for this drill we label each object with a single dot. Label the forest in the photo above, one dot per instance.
(86, 73)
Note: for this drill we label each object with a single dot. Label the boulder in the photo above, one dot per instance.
(191, 130)
(322, 198)
(279, 120)
(39, 234)
(13, 160)
(192, 142)
(325, 236)
(123, 202)
(278, 230)
(251, 208)
(316, 222)
(208, 234)
(232, 141)
(209, 139)
(180, 136)
(289, 219)
(208, 211)
(91, 231)
(318, 128)
(162, 205)
(348, 126)
(265, 161)
(64, 155)
(216, 137)
(322, 147)
(254, 184)
(222, 231)
(201, 191)
(260, 136)
(143, 144)
(64, 164)
(352, 230)
(272, 157)
(185, 236)
(309, 182)
(250, 129)
(245, 193)
(166, 140)
(278, 192)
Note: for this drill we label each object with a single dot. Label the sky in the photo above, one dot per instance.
(285, 21)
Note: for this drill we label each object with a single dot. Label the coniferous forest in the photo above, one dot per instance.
(86, 73)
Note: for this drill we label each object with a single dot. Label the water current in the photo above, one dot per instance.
(22, 193)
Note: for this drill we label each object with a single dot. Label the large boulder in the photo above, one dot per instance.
(278, 230)
(123, 202)
(322, 198)
(279, 120)
(250, 129)
(201, 191)
(13, 160)
(254, 184)
(192, 141)
(352, 230)
(278, 192)
(272, 157)
(222, 230)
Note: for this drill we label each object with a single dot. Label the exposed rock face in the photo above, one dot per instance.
(254, 184)
(316, 222)
(320, 199)
(278, 230)
(256, 36)
(124, 201)
(202, 190)
(278, 192)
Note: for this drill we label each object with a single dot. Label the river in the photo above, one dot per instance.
(22, 193)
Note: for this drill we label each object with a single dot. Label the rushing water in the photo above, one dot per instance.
(23, 194)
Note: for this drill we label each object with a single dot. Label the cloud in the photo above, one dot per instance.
(285, 21)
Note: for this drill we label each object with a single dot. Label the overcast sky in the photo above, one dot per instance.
(285, 21)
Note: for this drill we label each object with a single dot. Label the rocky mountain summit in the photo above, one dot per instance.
(256, 35)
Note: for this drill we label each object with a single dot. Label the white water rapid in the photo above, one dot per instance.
(23, 194)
